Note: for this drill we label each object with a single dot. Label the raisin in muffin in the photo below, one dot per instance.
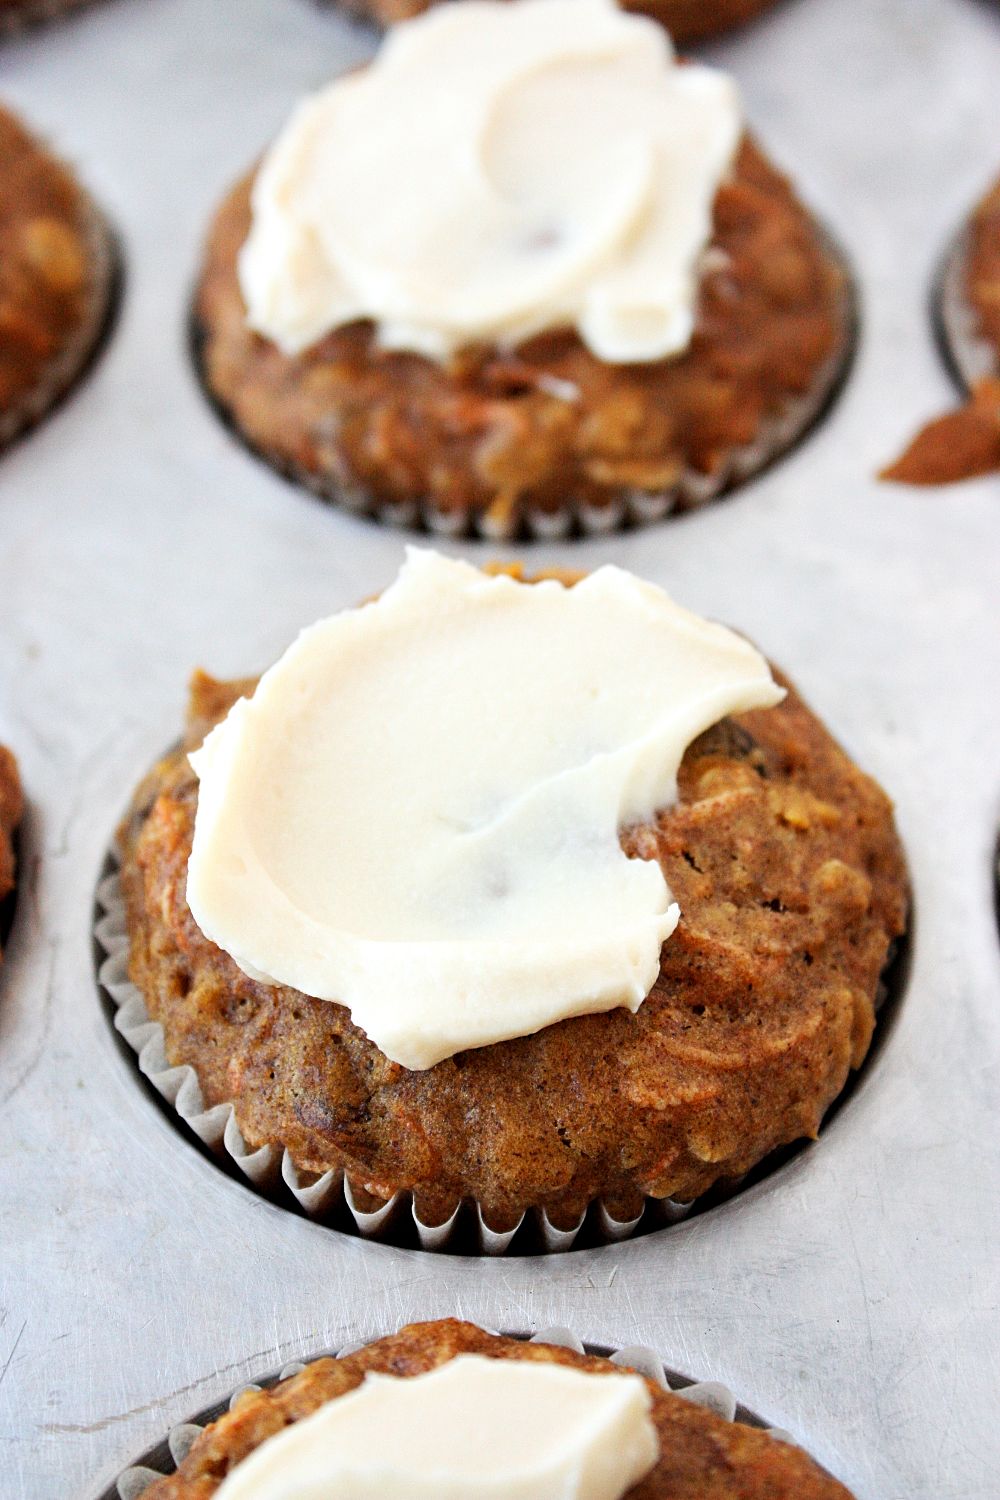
(56, 278)
(702, 1456)
(791, 883)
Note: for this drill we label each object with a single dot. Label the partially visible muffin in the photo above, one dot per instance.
(686, 20)
(56, 278)
(965, 443)
(15, 14)
(702, 1456)
(11, 809)
(792, 886)
(982, 273)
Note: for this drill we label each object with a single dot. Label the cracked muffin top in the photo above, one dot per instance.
(792, 889)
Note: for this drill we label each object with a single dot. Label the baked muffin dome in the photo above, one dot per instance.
(56, 278)
(702, 1456)
(686, 20)
(513, 432)
(11, 809)
(791, 882)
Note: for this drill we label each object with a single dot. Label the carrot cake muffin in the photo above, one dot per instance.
(443, 1402)
(56, 278)
(606, 929)
(686, 20)
(11, 808)
(965, 444)
(577, 293)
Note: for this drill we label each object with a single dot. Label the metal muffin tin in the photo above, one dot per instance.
(852, 1296)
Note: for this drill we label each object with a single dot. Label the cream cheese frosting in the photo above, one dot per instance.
(473, 1429)
(498, 170)
(418, 813)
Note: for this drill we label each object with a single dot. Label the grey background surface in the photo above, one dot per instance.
(853, 1298)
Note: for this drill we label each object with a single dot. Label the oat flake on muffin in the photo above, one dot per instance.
(636, 312)
(700, 1455)
(783, 859)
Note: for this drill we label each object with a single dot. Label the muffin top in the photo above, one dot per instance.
(50, 270)
(701, 1456)
(785, 864)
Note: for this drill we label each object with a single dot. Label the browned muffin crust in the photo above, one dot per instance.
(55, 278)
(790, 878)
(491, 436)
(686, 20)
(702, 1457)
(11, 809)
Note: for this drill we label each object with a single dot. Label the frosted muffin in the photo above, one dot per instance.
(686, 20)
(615, 990)
(965, 444)
(612, 308)
(608, 1432)
(56, 278)
(11, 808)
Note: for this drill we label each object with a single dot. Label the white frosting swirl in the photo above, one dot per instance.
(418, 812)
(498, 170)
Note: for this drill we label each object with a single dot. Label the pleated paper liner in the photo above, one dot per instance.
(171, 1451)
(331, 1199)
(968, 355)
(81, 350)
(778, 434)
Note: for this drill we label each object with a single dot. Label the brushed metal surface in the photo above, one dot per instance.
(853, 1297)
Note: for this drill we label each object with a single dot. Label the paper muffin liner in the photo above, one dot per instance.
(969, 356)
(330, 1198)
(778, 433)
(174, 1448)
(83, 345)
